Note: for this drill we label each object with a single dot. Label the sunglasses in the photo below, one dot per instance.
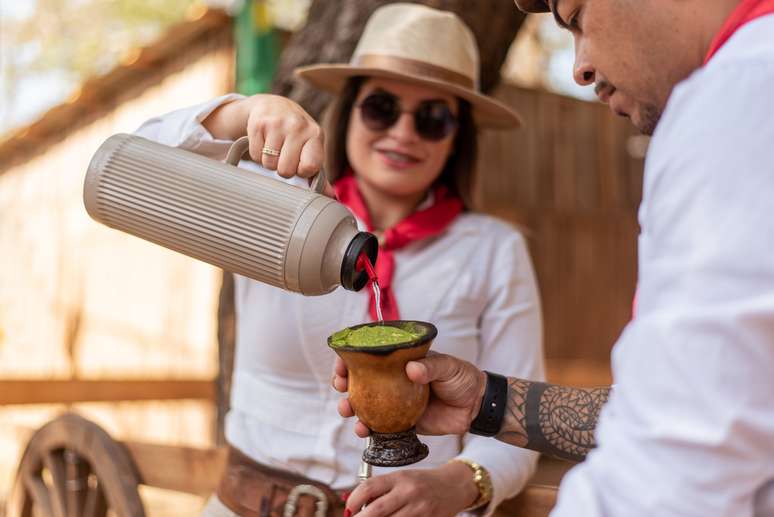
(433, 120)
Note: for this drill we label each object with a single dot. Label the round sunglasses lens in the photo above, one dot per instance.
(379, 111)
(435, 121)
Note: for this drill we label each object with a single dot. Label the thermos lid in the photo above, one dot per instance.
(351, 278)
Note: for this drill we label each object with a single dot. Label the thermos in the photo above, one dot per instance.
(268, 230)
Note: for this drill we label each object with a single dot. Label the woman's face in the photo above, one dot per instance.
(397, 160)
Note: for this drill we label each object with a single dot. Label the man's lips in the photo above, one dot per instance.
(604, 91)
(616, 107)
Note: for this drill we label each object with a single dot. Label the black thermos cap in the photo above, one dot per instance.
(351, 278)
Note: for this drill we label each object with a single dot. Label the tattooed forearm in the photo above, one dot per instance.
(514, 430)
(554, 420)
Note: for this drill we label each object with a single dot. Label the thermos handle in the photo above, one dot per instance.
(242, 145)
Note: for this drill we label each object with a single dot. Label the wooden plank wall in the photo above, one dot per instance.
(73, 391)
(569, 181)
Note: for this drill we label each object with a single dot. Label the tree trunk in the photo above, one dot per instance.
(226, 346)
(330, 36)
(333, 28)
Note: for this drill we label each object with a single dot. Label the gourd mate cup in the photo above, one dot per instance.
(383, 397)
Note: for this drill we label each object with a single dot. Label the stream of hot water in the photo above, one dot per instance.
(364, 262)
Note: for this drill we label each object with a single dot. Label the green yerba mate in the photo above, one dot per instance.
(372, 336)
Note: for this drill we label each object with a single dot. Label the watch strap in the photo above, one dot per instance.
(490, 416)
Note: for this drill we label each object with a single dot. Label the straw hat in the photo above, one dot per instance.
(423, 45)
(533, 6)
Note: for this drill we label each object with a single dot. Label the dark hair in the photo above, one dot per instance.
(458, 172)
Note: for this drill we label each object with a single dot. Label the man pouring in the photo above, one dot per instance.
(688, 429)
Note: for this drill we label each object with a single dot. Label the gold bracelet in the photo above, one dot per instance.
(483, 482)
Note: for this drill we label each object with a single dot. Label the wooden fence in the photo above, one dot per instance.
(569, 179)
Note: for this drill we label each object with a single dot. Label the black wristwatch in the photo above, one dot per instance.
(490, 416)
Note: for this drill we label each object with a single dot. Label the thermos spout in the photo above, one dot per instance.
(352, 278)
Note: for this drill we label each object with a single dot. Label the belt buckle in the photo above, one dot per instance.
(292, 503)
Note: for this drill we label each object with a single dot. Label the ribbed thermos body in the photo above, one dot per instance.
(230, 217)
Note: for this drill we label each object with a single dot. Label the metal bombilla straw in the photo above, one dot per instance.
(365, 470)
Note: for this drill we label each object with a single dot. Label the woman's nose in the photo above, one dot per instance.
(404, 129)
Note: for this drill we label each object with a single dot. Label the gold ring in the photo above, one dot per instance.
(270, 151)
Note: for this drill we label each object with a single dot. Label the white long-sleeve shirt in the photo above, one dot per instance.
(475, 283)
(689, 429)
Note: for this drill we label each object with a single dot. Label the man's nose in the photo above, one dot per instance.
(583, 71)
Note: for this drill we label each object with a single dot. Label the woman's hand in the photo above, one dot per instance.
(441, 492)
(274, 125)
(456, 390)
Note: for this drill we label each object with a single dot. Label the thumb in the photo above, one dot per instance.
(435, 367)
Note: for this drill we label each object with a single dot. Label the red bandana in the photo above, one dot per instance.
(417, 226)
(745, 12)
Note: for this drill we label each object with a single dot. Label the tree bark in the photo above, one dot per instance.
(226, 348)
(334, 27)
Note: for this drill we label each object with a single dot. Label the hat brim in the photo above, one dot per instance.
(533, 6)
(487, 111)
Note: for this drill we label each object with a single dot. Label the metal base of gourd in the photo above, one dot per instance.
(395, 449)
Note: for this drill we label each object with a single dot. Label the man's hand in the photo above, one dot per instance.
(456, 390)
(563, 425)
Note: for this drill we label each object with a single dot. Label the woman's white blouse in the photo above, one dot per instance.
(475, 283)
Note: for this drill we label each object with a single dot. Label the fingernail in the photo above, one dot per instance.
(347, 512)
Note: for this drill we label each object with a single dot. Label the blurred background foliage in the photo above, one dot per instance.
(83, 38)
(49, 47)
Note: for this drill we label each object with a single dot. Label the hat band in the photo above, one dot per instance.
(414, 67)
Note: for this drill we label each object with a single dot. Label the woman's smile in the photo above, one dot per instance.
(397, 159)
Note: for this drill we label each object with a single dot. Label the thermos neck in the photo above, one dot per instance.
(352, 278)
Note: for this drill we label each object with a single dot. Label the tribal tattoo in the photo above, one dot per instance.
(514, 414)
(554, 420)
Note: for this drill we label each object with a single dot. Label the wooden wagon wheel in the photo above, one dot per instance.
(73, 468)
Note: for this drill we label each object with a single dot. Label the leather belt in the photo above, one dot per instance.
(251, 489)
